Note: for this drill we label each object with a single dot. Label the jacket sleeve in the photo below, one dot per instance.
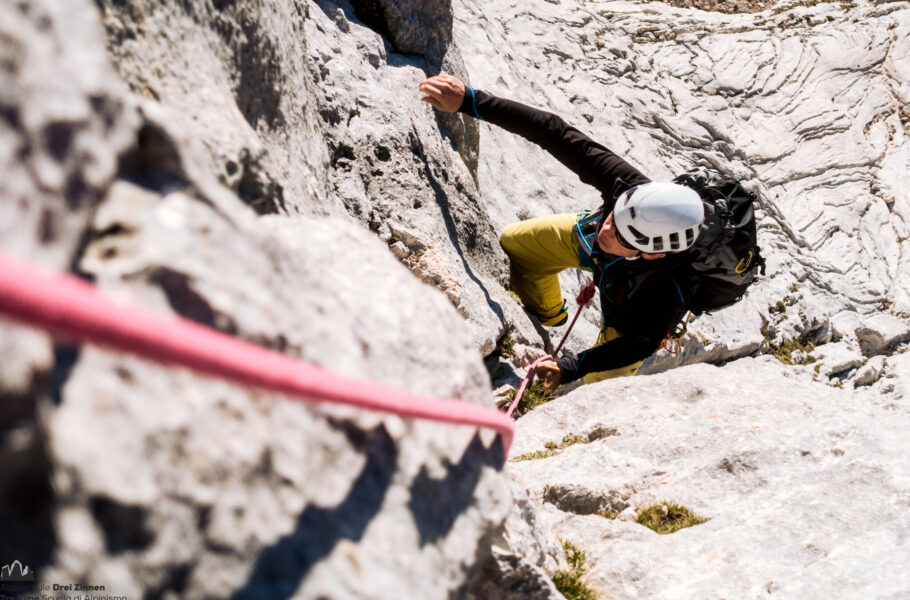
(594, 163)
(614, 354)
(645, 322)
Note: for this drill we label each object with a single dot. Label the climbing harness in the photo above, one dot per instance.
(75, 310)
(584, 297)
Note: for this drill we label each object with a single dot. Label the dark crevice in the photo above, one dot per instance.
(373, 15)
(125, 527)
(580, 500)
(174, 584)
(65, 358)
(154, 161)
(26, 494)
(253, 184)
(452, 228)
(58, 139)
(187, 302)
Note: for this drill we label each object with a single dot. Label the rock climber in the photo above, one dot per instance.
(634, 248)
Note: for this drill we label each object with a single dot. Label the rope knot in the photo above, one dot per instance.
(586, 294)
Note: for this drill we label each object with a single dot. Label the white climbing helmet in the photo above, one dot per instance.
(659, 217)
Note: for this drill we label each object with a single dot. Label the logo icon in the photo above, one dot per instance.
(16, 571)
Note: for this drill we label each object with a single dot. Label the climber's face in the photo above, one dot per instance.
(611, 242)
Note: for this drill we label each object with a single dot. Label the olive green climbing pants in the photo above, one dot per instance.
(539, 249)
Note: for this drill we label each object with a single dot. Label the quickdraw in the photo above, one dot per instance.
(673, 342)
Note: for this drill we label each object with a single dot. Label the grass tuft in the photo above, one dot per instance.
(507, 348)
(569, 583)
(568, 440)
(666, 518)
(534, 396)
(534, 455)
(552, 448)
(784, 351)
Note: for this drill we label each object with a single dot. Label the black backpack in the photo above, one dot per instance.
(725, 259)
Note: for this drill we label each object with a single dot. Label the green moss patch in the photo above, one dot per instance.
(553, 448)
(784, 351)
(507, 348)
(570, 583)
(667, 518)
(534, 396)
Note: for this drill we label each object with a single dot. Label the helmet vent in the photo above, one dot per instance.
(639, 236)
(674, 240)
(658, 244)
(632, 211)
(690, 236)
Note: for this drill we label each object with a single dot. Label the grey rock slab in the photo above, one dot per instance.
(525, 557)
(169, 484)
(64, 120)
(837, 358)
(395, 163)
(235, 78)
(507, 576)
(243, 500)
(801, 483)
(870, 372)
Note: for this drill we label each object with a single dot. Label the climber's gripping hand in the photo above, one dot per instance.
(443, 92)
(550, 375)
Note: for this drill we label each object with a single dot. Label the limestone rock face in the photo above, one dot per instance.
(807, 106)
(199, 187)
(801, 483)
(268, 169)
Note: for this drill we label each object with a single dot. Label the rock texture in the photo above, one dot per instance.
(807, 105)
(804, 104)
(176, 190)
(266, 168)
(802, 484)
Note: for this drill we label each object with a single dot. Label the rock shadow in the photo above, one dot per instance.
(27, 499)
(442, 199)
(282, 567)
(437, 503)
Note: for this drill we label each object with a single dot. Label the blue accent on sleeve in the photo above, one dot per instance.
(474, 104)
(679, 291)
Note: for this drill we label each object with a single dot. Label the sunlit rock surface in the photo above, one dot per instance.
(803, 485)
(267, 169)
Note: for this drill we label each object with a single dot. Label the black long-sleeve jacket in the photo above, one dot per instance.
(642, 299)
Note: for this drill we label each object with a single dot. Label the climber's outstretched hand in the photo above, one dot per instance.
(443, 92)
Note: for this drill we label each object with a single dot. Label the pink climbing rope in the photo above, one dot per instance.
(73, 309)
(584, 296)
